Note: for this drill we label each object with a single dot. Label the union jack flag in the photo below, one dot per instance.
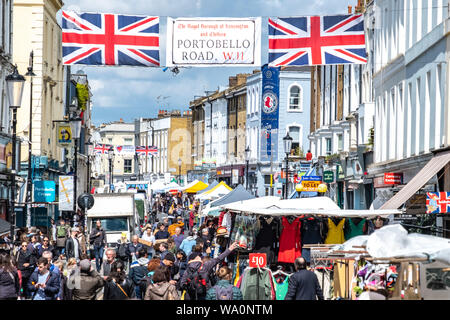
(110, 39)
(144, 150)
(102, 148)
(299, 41)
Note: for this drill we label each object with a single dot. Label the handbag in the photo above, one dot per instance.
(61, 242)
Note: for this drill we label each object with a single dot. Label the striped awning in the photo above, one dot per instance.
(420, 179)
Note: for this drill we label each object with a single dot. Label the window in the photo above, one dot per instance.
(340, 142)
(112, 224)
(127, 164)
(328, 145)
(295, 98)
(110, 140)
(294, 132)
(128, 141)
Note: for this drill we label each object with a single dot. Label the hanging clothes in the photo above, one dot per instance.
(266, 239)
(226, 221)
(323, 275)
(244, 232)
(281, 288)
(257, 284)
(312, 233)
(354, 230)
(290, 241)
(335, 232)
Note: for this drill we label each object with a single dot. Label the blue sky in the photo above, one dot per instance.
(132, 92)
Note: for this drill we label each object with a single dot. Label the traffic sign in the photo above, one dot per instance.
(85, 201)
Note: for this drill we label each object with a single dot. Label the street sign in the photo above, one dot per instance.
(257, 260)
(44, 191)
(65, 193)
(328, 176)
(312, 178)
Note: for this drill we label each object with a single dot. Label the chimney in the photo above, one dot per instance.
(232, 81)
(241, 78)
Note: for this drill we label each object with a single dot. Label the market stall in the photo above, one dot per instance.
(195, 186)
(238, 194)
(218, 191)
(285, 229)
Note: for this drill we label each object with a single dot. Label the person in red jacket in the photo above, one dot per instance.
(309, 155)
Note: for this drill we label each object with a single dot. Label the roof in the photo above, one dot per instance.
(112, 204)
(238, 194)
(5, 227)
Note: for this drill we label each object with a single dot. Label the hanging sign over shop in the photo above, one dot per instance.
(438, 202)
(393, 178)
(328, 176)
(44, 191)
(311, 185)
(209, 42)
(63, 134)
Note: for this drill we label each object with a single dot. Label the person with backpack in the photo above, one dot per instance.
(196, 279)
(62, 233)
(138, 270)
(148, 279)
(224, 290)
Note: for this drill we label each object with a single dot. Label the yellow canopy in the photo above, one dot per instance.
(216, 187)
(200, 185)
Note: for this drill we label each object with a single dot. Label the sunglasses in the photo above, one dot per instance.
(45, 240)
(24, 246)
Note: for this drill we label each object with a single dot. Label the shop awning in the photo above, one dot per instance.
(419, 180)
(195, 187)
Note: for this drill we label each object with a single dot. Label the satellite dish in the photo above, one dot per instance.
(85, 201)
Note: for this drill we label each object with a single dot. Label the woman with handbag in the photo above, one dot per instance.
(117, 285)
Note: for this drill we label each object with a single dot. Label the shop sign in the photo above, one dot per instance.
(311, 185)
(393, 178)
(304, 166)
(257, 260)
(44, 191)
(438, 202)
(328, 176)
(63, 134)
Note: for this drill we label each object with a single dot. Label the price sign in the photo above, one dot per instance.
(257, 260)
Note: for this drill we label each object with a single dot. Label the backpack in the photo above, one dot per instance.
(61, 231)
(196, 283)
(224, 293)
(145, 282)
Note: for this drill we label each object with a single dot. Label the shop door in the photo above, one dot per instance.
(350, 199)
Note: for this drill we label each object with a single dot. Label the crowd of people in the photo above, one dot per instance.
(170, 258)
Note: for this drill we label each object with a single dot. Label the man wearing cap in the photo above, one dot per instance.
(89, 284)
(73, 248)
(168, 262)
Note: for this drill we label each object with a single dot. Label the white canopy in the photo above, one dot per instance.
(158, 185)
(193, 183)
(172, 186)
(275, 206)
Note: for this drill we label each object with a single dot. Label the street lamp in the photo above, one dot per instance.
(28, 199)
(75, 127)
(247, 159)
(287, 140)
(111, 159)
(179, 170)
(14, 90)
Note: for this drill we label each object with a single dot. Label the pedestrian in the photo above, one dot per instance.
(62, 233)
(303, 284)
(161, 233)
(55, 269)
(82, 240)
(53, 230)
(89, 284)
(26, 262)
(161, 288)
(163, 249)
(176, 224)
(172, 247)
(169, 262)
(73, 248)
(309, 156)
(150, 238)
(117, 285)
(105, 269)
(65, 292)
(46, 246)
(9, 279)
(180, 264)
(122, 254)
(178, 237)
(44, 284)
(191, 219)
(138, 270)
(206, 240)
(98, 239)
(133, 249)
(151, 267)
(188, 243)
(196, 280)
(224, 290)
